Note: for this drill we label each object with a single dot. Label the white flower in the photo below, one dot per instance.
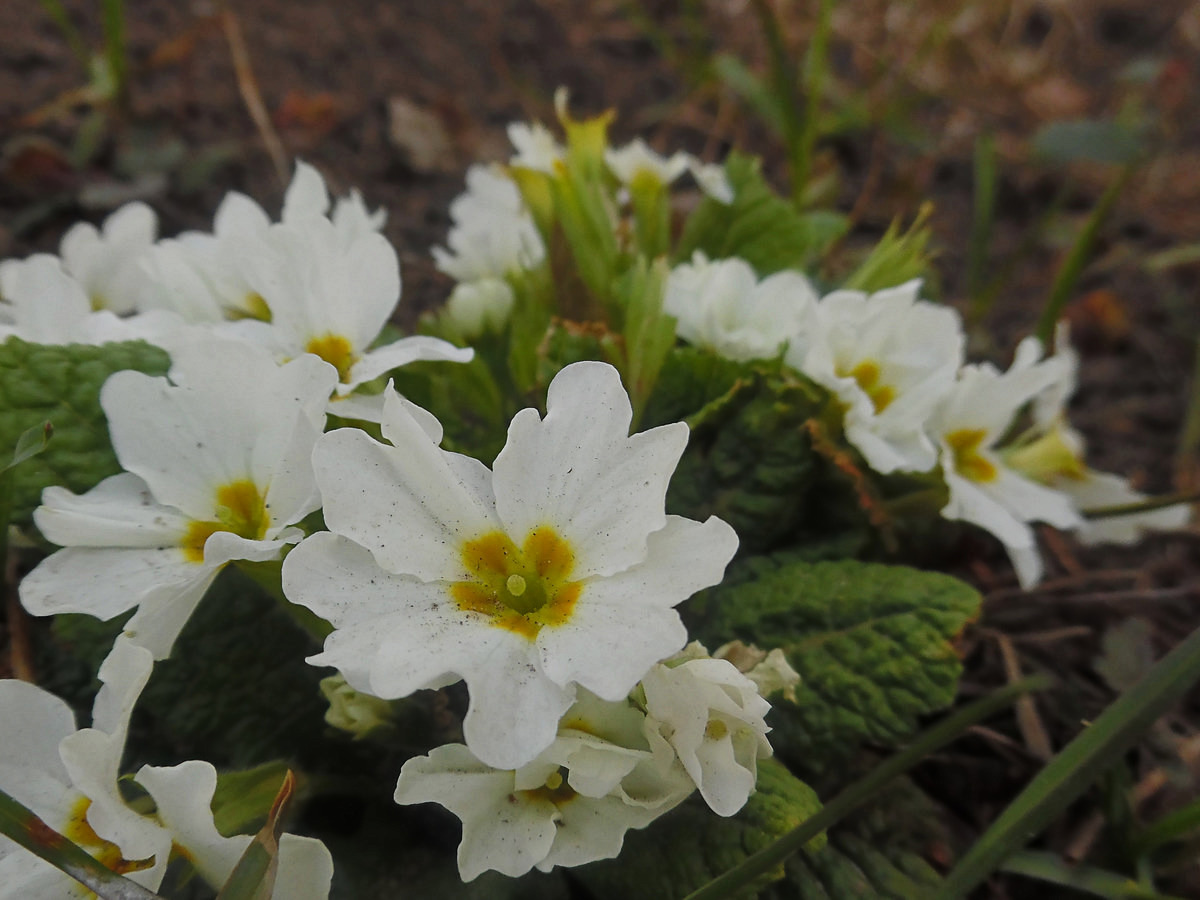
(330, 296)
(68, 778)
(723, 307)
(889, 358)
(712, 180)
(1052, 452)
(183, 796)
(713, 716)
(984, 490)
(493, 232)
(107, 262)
(477, 307)
(45, 305)
(636, 158)
(570, 805)
(218, 469)
(770, 671)
(536, 147)
(557, 568)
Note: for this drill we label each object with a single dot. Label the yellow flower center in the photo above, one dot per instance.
(522, 589)
(555, 790)
(867, 373)
(335, 350)
(968, 461)
(240, 508)
(715, 729)
(79, 831)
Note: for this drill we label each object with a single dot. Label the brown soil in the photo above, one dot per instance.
(914, 85)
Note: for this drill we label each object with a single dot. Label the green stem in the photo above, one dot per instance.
(28, 830)
(114, 47)
(814, 84)
(1068, 273)
(1051, 868)
(1084, 760)
(864, 790)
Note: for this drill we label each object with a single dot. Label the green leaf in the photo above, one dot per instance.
(1088, 140)
(897, 258)
(759, 226)
(61, 385)
(689, 846)
(749, 459)
(874, 645)
(254, 875)
(24, 827)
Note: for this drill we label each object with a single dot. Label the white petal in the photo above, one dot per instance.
(35, 722)
(306, 195)
(579, 471)
(402, 352)
(624, 624)
(118, 512)
(305, 869)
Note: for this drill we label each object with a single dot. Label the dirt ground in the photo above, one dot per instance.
(912, 87)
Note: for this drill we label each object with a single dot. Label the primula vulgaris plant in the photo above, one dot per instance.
(491, 532)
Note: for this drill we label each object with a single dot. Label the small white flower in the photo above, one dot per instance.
(478, 307)
(984, 490)
(68, 778)
(770, 671)
(107, 262)
(183, 795)
(723, 307)
(1052, 452)
(713, 716)
(890, 358)
(218, 469)
(636, 158)
(570, 805)
(493, 232)
(537, 147)
(712, 180)
(557, 568)
(330, 296)
(43, 304)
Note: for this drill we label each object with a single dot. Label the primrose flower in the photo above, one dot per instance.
(493, 232)
(890, 359)
(42, 303)
(217, 469)
(353, 711)
(68, 778)
(570, 805)
(713, 717)
(637, 159)
(537, 147)
(557, 568)
(183, 796)
(479, 307)
(330, 296)
(723, 307)
(1052, 452)
(984, 489)
(107, 261)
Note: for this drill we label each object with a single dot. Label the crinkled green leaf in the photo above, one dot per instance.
(759, 226)
(749, 459)
(691, 845)
(874, 645)
(61, 384)
(879, 854)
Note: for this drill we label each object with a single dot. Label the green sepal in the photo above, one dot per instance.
(759, 226)
(691, 845)
(899, 256)
(60, 384)
(875, 646)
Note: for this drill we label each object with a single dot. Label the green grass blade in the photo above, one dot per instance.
(58, 15)
(864, 790)
(1083, 761)
(114, 45)
(28, 830)
(254, 874)
(1173, 826)
(1068, 273)
(1051, 868)
(815, 69)
(982, 220)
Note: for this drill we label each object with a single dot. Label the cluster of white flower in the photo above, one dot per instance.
(548, 583)
(911, 403)
(321, 281)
